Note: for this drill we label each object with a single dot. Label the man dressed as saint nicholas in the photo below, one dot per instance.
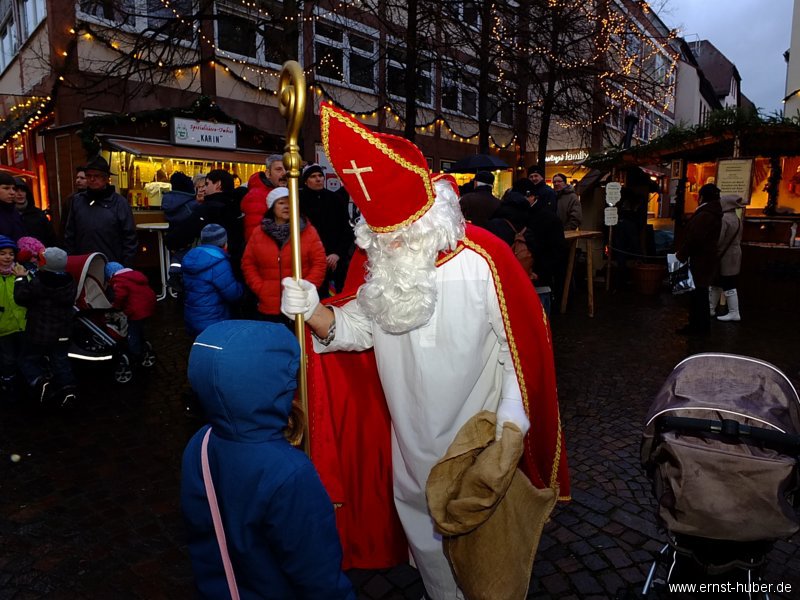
(447, 321)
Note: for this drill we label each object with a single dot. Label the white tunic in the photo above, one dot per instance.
(435, 378)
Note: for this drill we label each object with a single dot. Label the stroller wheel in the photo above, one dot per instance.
(149, 359)
(123, 372)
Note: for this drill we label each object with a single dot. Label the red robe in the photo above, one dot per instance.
(349, 421)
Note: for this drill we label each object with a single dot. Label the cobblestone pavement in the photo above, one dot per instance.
(91, 509)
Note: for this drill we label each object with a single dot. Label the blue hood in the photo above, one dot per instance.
(245, 373)
(172, 201)
(202, 258)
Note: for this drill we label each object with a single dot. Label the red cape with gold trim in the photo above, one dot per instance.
(349, 421)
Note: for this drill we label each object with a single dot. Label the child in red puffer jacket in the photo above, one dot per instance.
(131, 293)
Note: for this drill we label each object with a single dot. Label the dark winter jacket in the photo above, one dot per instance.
(209, 287)
(545, 195)
(278, 520)
(101, 222)
(220, 208)
(132, 294)
(479, 206)
(545, 237)
(254, 203)
(49, 298)
(178, 206)
(327, 212)
(36, 224)
(699, 245)
(11, 224)
(510, 218)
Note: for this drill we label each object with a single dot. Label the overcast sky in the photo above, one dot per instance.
(753, 34)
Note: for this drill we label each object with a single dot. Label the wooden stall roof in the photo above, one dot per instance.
(756, 137)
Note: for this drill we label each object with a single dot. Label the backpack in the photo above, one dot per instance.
(521, 250)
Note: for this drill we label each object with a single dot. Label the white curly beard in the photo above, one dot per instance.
(400, 289)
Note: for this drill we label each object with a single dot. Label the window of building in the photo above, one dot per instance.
(163, 16)
(460, 92)
(31, 13)
(235, 32)
(395, 76)
(8, 41)
(169, 18)
(501, 111)
(466, 12)
(344, 55)
(239, 32)
(121, 12)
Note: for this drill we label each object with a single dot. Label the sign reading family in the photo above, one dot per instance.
(205, 134)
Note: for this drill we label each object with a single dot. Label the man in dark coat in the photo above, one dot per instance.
(544, 193)
(327, 212)
(479, 205)
(545, 238)
(100, 220)
(699, 247)
(11, 224)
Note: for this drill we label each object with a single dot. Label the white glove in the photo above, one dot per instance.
(511, 409)
(298, 297)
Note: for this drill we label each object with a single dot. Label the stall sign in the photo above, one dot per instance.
(613, 192)
(611, 216)
(734, 177)
(565, 156)
(205, 134)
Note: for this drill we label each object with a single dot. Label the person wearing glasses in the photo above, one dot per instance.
(100, 220)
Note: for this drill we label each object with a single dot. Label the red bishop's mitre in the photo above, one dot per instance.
(386, 176)
(449, 179)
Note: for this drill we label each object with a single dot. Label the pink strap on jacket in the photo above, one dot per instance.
(218, 528)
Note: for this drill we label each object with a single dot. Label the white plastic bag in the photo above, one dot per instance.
(680, 275)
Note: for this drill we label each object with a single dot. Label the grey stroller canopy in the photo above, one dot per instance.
(721, 447)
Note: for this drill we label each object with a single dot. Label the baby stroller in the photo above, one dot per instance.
(721, 448)
(100, 333)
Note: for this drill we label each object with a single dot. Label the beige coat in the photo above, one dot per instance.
(568, 208)
(729, 245)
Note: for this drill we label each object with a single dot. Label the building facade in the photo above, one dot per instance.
(120, 76)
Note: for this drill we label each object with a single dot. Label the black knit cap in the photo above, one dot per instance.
(535, 169)
(308, 171)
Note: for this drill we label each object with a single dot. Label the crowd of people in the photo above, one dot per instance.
(441, 304)
(435, 326)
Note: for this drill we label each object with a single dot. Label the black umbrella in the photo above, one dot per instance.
(477, 162)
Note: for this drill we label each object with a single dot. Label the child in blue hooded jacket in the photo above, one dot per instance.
(279, 526)
(210, 288)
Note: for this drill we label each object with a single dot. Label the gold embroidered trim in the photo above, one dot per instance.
(328, 113)
(512, 346)
(449, 256)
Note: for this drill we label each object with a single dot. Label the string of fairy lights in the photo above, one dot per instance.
(616, 28)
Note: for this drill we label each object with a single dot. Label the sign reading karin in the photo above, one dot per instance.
(206, 134)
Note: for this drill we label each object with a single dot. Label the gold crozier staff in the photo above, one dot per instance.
(292, 105)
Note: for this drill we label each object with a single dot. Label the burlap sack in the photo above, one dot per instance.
(489, 513)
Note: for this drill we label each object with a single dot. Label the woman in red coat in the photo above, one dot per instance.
(268, 256)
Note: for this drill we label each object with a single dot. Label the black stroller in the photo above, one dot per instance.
(721, 448)
(100, 332)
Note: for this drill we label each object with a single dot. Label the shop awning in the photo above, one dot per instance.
(141, 148)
